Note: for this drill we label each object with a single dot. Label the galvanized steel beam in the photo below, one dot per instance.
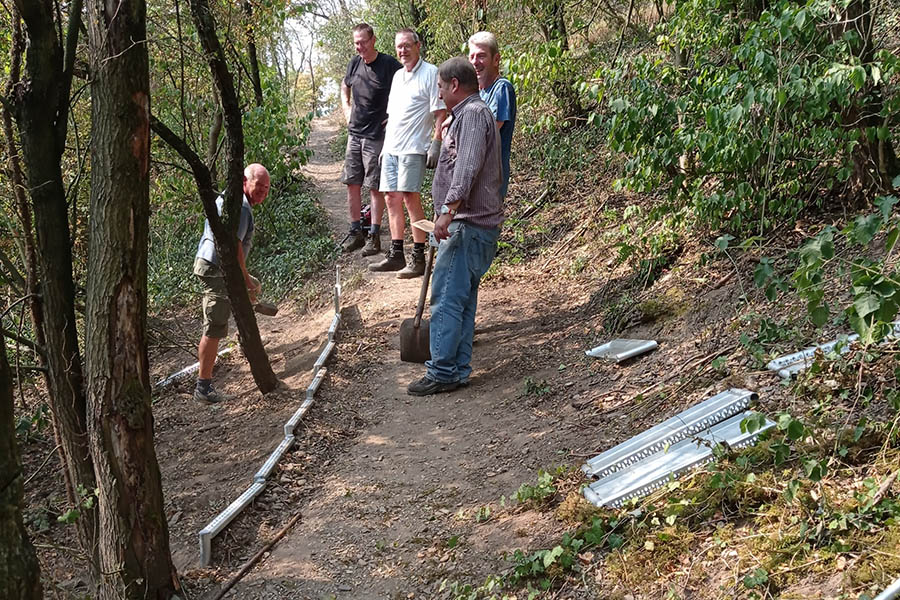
(687, 423)
(656, 470)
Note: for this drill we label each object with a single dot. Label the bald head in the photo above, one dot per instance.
(256, 183)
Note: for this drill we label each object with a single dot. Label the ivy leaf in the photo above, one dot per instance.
(551, 555)
(864, 228)
(885, 204)
(819, 314)
(858, 77)
(722, 241)
(866, 304)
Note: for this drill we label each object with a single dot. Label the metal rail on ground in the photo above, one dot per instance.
(214, 527)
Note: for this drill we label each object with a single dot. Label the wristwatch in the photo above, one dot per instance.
(446, 210)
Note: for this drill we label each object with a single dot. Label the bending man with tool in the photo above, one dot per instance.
(216, 306)
(466, 194)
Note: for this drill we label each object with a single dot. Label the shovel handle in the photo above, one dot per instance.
(420, 308)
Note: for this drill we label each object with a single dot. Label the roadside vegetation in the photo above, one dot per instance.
(663, 152)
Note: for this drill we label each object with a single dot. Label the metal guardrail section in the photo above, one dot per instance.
(319, 371)
(269, 465)
(187, 370)
(790, 364)
(332, 331)
(224, 518)
(655, 471)
(292, 423)
(621, 349)
(891, 592)
(320, 362)
(337, 289)
(693, 420)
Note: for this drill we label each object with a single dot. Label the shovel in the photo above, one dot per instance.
(415, 343)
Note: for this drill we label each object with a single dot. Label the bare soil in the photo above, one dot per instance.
(392, 489)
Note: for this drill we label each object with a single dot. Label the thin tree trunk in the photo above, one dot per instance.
(40, 105)
(20, 577)
(212, 145)
(134, 549)
(18, 182)
(251, 53)
(225, 229)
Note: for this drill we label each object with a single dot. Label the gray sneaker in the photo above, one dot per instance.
(210, 397)
(373, 245)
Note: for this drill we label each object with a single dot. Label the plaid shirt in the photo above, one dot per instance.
(469, 170)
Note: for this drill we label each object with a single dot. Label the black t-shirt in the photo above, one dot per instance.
(370, 84)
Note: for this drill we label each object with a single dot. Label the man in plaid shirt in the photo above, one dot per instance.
(469, 211)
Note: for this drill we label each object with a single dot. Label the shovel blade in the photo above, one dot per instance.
(415, 342)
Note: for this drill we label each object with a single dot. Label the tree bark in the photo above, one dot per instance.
(40, 105)
(251, 53)
(20, 577)
(135, 560)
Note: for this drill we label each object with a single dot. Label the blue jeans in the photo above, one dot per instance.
(462, 260)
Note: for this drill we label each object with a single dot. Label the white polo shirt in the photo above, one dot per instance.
(414, 99)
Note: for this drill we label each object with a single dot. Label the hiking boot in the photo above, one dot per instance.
(415, 268)
(427, 387)
(373, 245)
(393, 261)
(355, 240)
(210, 397)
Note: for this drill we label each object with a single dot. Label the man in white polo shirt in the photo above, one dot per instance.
(412, 142)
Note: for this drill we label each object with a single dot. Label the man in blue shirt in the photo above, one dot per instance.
(497, 92)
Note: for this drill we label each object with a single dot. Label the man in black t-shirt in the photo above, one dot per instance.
(369, 76)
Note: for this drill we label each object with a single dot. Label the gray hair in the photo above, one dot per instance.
(486, 39)
(460, 69)
(411, 33)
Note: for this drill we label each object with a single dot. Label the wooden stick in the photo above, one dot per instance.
(255, 558)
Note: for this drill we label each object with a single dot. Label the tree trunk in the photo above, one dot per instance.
(225, 229)
(134, 550)
(251, 53)
(20, 577)
(40, 104)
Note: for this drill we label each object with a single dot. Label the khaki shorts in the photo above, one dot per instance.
(361, 162)
(216, 306)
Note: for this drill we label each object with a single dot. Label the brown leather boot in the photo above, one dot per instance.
(393, 261)
(373, 245)
(415, 267)
(355, 240)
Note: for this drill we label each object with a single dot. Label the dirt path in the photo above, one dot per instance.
(394, 512)
(400, 494)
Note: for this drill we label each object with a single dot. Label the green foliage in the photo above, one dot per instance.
(874, 299)
(539, 493)
(757, 119)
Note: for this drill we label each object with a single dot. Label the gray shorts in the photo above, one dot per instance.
(361, 162)
(402, 172)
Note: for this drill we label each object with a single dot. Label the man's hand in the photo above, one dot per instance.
(441, 227)
(431, 159)
(253, 288)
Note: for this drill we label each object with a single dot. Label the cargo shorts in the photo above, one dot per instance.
(216, 306)
(361, 162)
